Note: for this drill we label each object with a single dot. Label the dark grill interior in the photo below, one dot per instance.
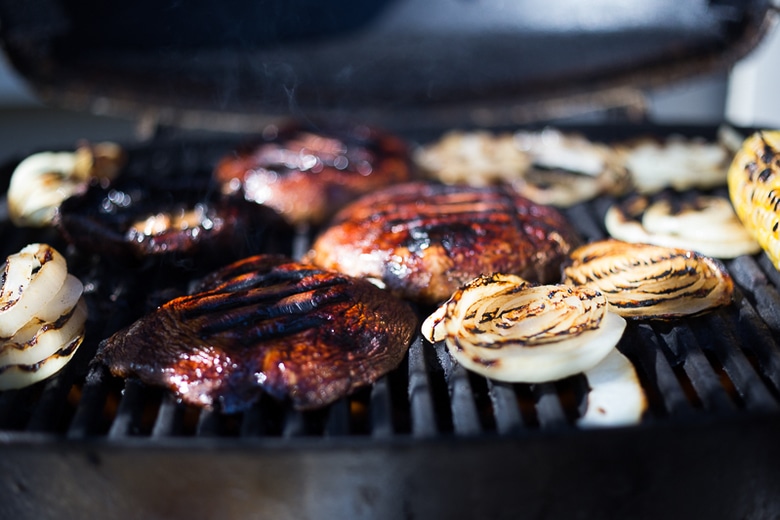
(725, 362)
(721, 367)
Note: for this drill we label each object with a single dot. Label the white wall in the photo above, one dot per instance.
(13, 91)
(754, 86)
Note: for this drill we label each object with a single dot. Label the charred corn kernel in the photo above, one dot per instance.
(754, 189)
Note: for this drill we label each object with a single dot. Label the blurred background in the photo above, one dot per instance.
(744, 96)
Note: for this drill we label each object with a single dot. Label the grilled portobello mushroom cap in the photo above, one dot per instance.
(423, 240)
(266, 324)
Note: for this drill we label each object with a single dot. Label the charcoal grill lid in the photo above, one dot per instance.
(390, 56)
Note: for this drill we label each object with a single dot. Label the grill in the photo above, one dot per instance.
(428, 439)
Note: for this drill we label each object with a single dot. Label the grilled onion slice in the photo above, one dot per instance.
(42, 316)
(706, 224)
(547, 167)
(39, 340)
(616, 397)
(676, 162)
(567, 169)
(30, 279)
(43, 180)
(504, 328)
(478, 158)
(647, 281)
(19, 376)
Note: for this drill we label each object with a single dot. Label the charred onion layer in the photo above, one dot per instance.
(43, 180)
(675, 162)
(647, 281)
(266, 324)
(504, 328)
(42, 316)
(548, 167)
(706, 224)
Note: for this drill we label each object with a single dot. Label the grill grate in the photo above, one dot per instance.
(724, 363)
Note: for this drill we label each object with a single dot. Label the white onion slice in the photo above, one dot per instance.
(43, 180)
(518, 364)
(62, 302)
(18, 376)
(38, 185)
(42, 316)
(32, 277)
(706, 224)
(478, 158)
(616, 397)
(37, 341)
(645, 281)
(547, 167)
(503, 328)
(678, 163)
(567, 169)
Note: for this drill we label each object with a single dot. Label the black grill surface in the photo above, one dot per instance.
(428, 440)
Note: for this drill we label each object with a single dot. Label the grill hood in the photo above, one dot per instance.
(386, 62)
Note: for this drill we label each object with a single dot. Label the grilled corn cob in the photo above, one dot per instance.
(754, 189)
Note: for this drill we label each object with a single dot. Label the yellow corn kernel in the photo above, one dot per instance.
(754, 189)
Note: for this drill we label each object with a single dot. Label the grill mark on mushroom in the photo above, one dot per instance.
(266, 324)
(424, 240)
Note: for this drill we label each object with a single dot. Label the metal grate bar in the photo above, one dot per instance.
(772, 273)
(749, 276)
(684, 346)
(338, 419)
(128, 413)
(50, 410)
(294, 424)
(723, 343)
(301, 241)
(85, 421)
(168, 420)
(465, 417)
(209, 424)
(381, 409)
(756, 325)
(760, 342)
(549, 411)
(420, 399)
(640, 343)
(586, 223)
(505, 407)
